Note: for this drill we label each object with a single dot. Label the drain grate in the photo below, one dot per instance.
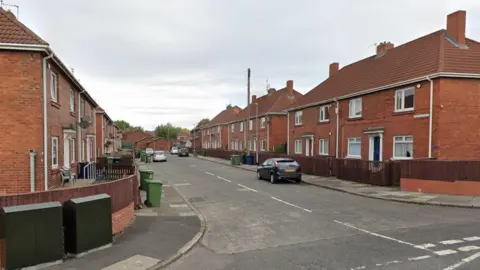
(196, 199)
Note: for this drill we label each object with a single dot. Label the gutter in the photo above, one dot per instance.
(45, 121)
(388, 86)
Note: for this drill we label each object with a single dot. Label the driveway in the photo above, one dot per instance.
(252, 224)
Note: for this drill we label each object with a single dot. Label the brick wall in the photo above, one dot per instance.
(21, 120)
(159, 144)
(122, 218)
(133, 136)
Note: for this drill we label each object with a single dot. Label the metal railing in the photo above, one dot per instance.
(90, 170)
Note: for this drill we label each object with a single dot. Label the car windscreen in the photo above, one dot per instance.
(284, 163)
(159, 153)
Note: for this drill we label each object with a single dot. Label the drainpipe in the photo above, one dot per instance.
(79, 132)
(430, 120)
(268, 132)
(337, 111)
(45, 124)
(229, 129)
(288, 133)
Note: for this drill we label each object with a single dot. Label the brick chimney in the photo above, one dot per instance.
(333, 69)
(254, 99)
(271, 91)
(10, 14)
(236, 110)
(290, 87)
(384, 47)
(456, 23)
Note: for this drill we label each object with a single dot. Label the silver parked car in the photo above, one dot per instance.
(159, 156)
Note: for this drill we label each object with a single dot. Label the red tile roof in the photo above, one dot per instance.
(275, 102)
(424, 56)
(224, 116)
(15, 32)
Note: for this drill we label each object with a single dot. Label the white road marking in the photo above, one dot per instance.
(451, 242)
(209, 173)
(224, 179)
(291, 204)
(182, 184)
(468, 248)
(382, 236)
(419, 258)
(251, 189)
(378, 264)
(473, 238)
(445, 252)
(165, 185)
(392, 262)
(463, 261)
(425, 246)
(183, 205)
(358, 268)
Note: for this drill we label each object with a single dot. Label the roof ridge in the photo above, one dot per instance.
(23, 27)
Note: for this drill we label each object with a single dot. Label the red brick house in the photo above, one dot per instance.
(266, 130)
(156, 143)
(48, 118)
(417, 100)
(133, 137)
(214, 133)
(105, 133)
(117, 135)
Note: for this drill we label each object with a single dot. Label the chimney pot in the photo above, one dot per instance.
(334, 67)
(384, 47)
(254, 99)
(456, 24)
(271, 90)
(290, 87)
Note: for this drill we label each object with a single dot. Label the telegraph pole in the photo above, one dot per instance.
(247, 124)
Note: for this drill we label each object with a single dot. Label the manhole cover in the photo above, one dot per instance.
(196, 199)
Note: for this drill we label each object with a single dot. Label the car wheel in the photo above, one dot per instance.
(259, 177)
(272, 178)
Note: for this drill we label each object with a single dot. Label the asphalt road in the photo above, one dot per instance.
(252, 224)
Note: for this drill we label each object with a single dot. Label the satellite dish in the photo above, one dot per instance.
(85, 122)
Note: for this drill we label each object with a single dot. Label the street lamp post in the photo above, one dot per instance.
(256, 133)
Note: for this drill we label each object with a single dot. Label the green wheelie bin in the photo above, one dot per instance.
(154, 193)
(144, 176)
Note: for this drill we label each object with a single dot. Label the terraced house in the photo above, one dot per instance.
(48, 118)
(215, 134)
(262, 124)
(417, 100)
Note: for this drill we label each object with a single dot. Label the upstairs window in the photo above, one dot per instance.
(355, 108)
(250, 124)
(324, 114)
(241, 126)
(298, 117)
(72, 100)
(218, 129)
(232, 127)
(53, 86)
(404, 100)
(262, 122)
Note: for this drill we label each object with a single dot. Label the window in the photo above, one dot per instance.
(355, 108)
(354, 147)
(262, 122)
(324, 115)
(232, 127)
(404, 99)
(72, 143)
(250, 145)
(262, 145)
(53, 86)
(403, 147)
(255, 144)
(323, 147)
(72, 100)
(298, 117)
(54, 152)
(298, 146)
(232, 145)
(218, 129)
(83, 150)
(250, 124)
(241, 126)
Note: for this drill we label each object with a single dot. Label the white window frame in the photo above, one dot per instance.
(298, 118)
(250, 124)
(262, 145)
(72, 143)
(72, 100)
(402, 102)
(232, 128)
(53, 86)
(356, 140)
(241, 126)
(322, 148)
(404, 141)
(322, 113)
(218, 129)
(262, 122)
(297, 143)
(55, 152)
(352, 106)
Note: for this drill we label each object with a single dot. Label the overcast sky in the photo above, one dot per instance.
(183, 60)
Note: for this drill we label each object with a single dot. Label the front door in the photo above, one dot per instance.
(66, 151)
(375, 148)
(307, 147)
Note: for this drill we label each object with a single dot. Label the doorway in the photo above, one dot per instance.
(66, 151)
(375, 147)
(309, 146)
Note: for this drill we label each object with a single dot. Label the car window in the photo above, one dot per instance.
(266, 162)
(159, 152)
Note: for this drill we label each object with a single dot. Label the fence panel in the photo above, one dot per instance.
(113, 171)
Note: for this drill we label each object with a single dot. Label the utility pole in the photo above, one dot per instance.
(247, 128)
(256, 131)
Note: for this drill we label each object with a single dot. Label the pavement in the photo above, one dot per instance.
(157, 237)
(252, 224)
(377, 192)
